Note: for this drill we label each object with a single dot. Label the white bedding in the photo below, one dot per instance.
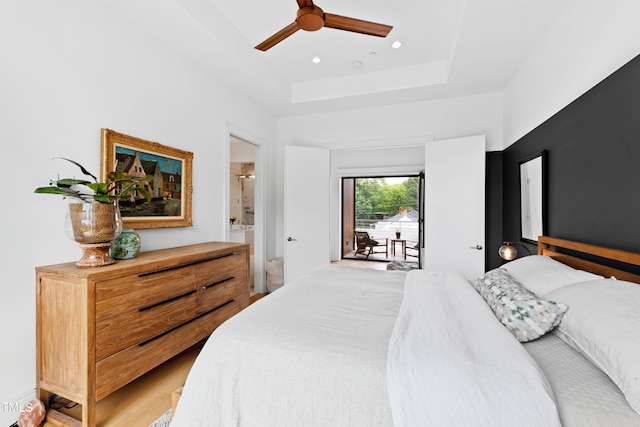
(320, 352)
(313, 353)
(451, 363)
(585, 395)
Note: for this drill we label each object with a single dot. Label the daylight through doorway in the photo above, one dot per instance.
(381, 218)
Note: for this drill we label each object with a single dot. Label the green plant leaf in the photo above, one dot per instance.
(119, 186)
(145, 193)
(82, 168)
(99, 187)
(134, 187)
(119, 176)
(68, 182)
(59, 191)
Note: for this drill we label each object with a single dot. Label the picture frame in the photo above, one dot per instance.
(533, 197)
(170, 187)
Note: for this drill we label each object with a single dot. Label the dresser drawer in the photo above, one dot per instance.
(119, 369)
(117, 333)
(231, 266)
(207, 322)
(216, 293)
(132, 293)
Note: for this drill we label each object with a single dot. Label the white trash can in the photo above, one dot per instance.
(275, 274)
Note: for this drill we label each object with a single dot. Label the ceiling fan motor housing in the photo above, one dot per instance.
(310, 18)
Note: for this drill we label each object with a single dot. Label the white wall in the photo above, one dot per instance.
(589, 41)
(69, 68)
(391, 125)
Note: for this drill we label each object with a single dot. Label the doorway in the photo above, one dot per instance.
(243, 211)
(242, 184)
(382, 218)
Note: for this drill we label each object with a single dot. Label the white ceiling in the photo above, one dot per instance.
(450, 47)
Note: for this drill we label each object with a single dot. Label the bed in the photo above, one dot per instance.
(546, 340)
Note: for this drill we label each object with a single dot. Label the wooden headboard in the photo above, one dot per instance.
(552, 247)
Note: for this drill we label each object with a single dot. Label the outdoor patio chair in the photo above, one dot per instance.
(365, 245)
(413, 249)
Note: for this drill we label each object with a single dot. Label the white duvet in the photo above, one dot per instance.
(313, 353)
(451, 363)
(323, 351)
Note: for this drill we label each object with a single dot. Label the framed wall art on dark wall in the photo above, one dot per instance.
(532, 197)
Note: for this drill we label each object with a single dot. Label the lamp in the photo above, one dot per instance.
(508, 252)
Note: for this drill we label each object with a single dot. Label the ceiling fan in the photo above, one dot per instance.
(311, 18)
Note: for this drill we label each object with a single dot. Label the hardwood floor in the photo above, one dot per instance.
(255, 297)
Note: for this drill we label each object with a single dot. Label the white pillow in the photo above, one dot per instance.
(542, 274)
(603, 323)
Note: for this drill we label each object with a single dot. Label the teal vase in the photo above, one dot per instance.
(126, 245)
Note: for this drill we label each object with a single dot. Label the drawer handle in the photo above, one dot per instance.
(217, 307)
(145, 342)
(175, 267)
(210, 285)
(149, 307)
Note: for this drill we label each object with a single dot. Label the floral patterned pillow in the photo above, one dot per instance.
(520, 311)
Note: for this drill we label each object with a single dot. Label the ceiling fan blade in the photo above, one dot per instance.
(356, 25)
(278, 37)
(305, 3)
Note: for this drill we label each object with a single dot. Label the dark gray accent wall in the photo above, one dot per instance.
(593, 168)
(493, 208)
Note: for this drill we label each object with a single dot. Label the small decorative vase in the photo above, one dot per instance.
(126, 245)
(94, 225)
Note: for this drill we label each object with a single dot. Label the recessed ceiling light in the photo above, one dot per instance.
(396, 44)
(315, 60)
(373, 54)
(356, 64)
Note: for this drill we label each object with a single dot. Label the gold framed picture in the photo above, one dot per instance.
(169, 180)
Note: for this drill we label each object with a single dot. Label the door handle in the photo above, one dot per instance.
(291, 239)
(478, 247)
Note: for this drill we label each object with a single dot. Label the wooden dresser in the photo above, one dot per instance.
(100, 328)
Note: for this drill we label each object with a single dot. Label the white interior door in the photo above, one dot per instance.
(306, 210)
(454, 205)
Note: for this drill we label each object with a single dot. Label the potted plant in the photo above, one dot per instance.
(94, 215)
(120, 187)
